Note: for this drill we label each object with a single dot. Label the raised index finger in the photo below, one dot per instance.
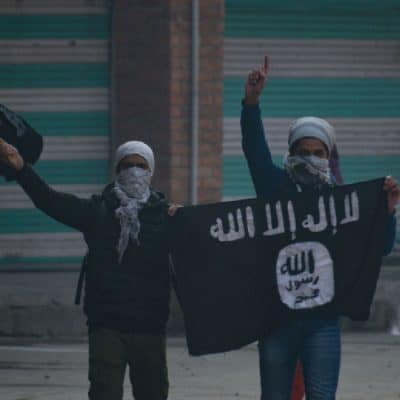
(266, 65)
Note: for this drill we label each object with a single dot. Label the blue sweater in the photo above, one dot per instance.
(268, 177)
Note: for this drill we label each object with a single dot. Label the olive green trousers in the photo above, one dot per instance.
(110, 352)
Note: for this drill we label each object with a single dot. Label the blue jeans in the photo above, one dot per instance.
(316, 342)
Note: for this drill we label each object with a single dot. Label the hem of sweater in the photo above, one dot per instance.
(314, 314)
(127, 327)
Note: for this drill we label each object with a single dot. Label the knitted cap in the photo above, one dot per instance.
(135, 147)
(312, 127)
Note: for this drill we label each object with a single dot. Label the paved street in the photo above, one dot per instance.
(57, 371)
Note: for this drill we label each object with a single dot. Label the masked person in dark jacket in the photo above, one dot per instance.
(127, 284)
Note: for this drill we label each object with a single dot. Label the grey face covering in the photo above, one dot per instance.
(135, 182)
(308, 170)
(132, 188)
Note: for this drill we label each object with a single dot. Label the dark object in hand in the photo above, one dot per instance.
(17, 132)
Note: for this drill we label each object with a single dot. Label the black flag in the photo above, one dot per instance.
(17, 132)
(243, 267)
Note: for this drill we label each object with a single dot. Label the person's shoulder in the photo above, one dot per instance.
(158, 198)
(157, 206)
(106, 195)
(95, 198)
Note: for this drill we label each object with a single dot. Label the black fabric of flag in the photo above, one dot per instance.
(242, 267)
(17, 132)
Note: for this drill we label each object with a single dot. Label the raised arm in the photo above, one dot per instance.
(265, 174)
(393, 194)
(66, 208)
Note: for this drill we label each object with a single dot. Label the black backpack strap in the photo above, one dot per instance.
(81, 279)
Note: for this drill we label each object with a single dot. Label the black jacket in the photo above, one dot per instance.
(131, 296)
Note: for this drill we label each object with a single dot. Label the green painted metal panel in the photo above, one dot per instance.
(18, 76)
(326, 6)
(72, 172)
(70, 123)
(236, 177)
(312, 27)
(295, 97)
(43, 73)
(56, 26)
(237, 180)
(26, 221)
(359, 168)
(312, 20)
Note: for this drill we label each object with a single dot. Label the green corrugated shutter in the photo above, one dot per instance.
(55, 72)
(333, 59)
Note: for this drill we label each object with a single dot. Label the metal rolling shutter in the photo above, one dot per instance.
(337, 60)
(54, 71)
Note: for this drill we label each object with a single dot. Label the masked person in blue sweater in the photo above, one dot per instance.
(312, 339)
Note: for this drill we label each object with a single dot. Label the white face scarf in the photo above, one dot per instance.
(135, 182)
(132, 188)
(308, 170)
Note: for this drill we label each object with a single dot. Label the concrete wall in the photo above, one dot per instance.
(41, 304)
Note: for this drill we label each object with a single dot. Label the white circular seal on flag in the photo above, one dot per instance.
(304, 274)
